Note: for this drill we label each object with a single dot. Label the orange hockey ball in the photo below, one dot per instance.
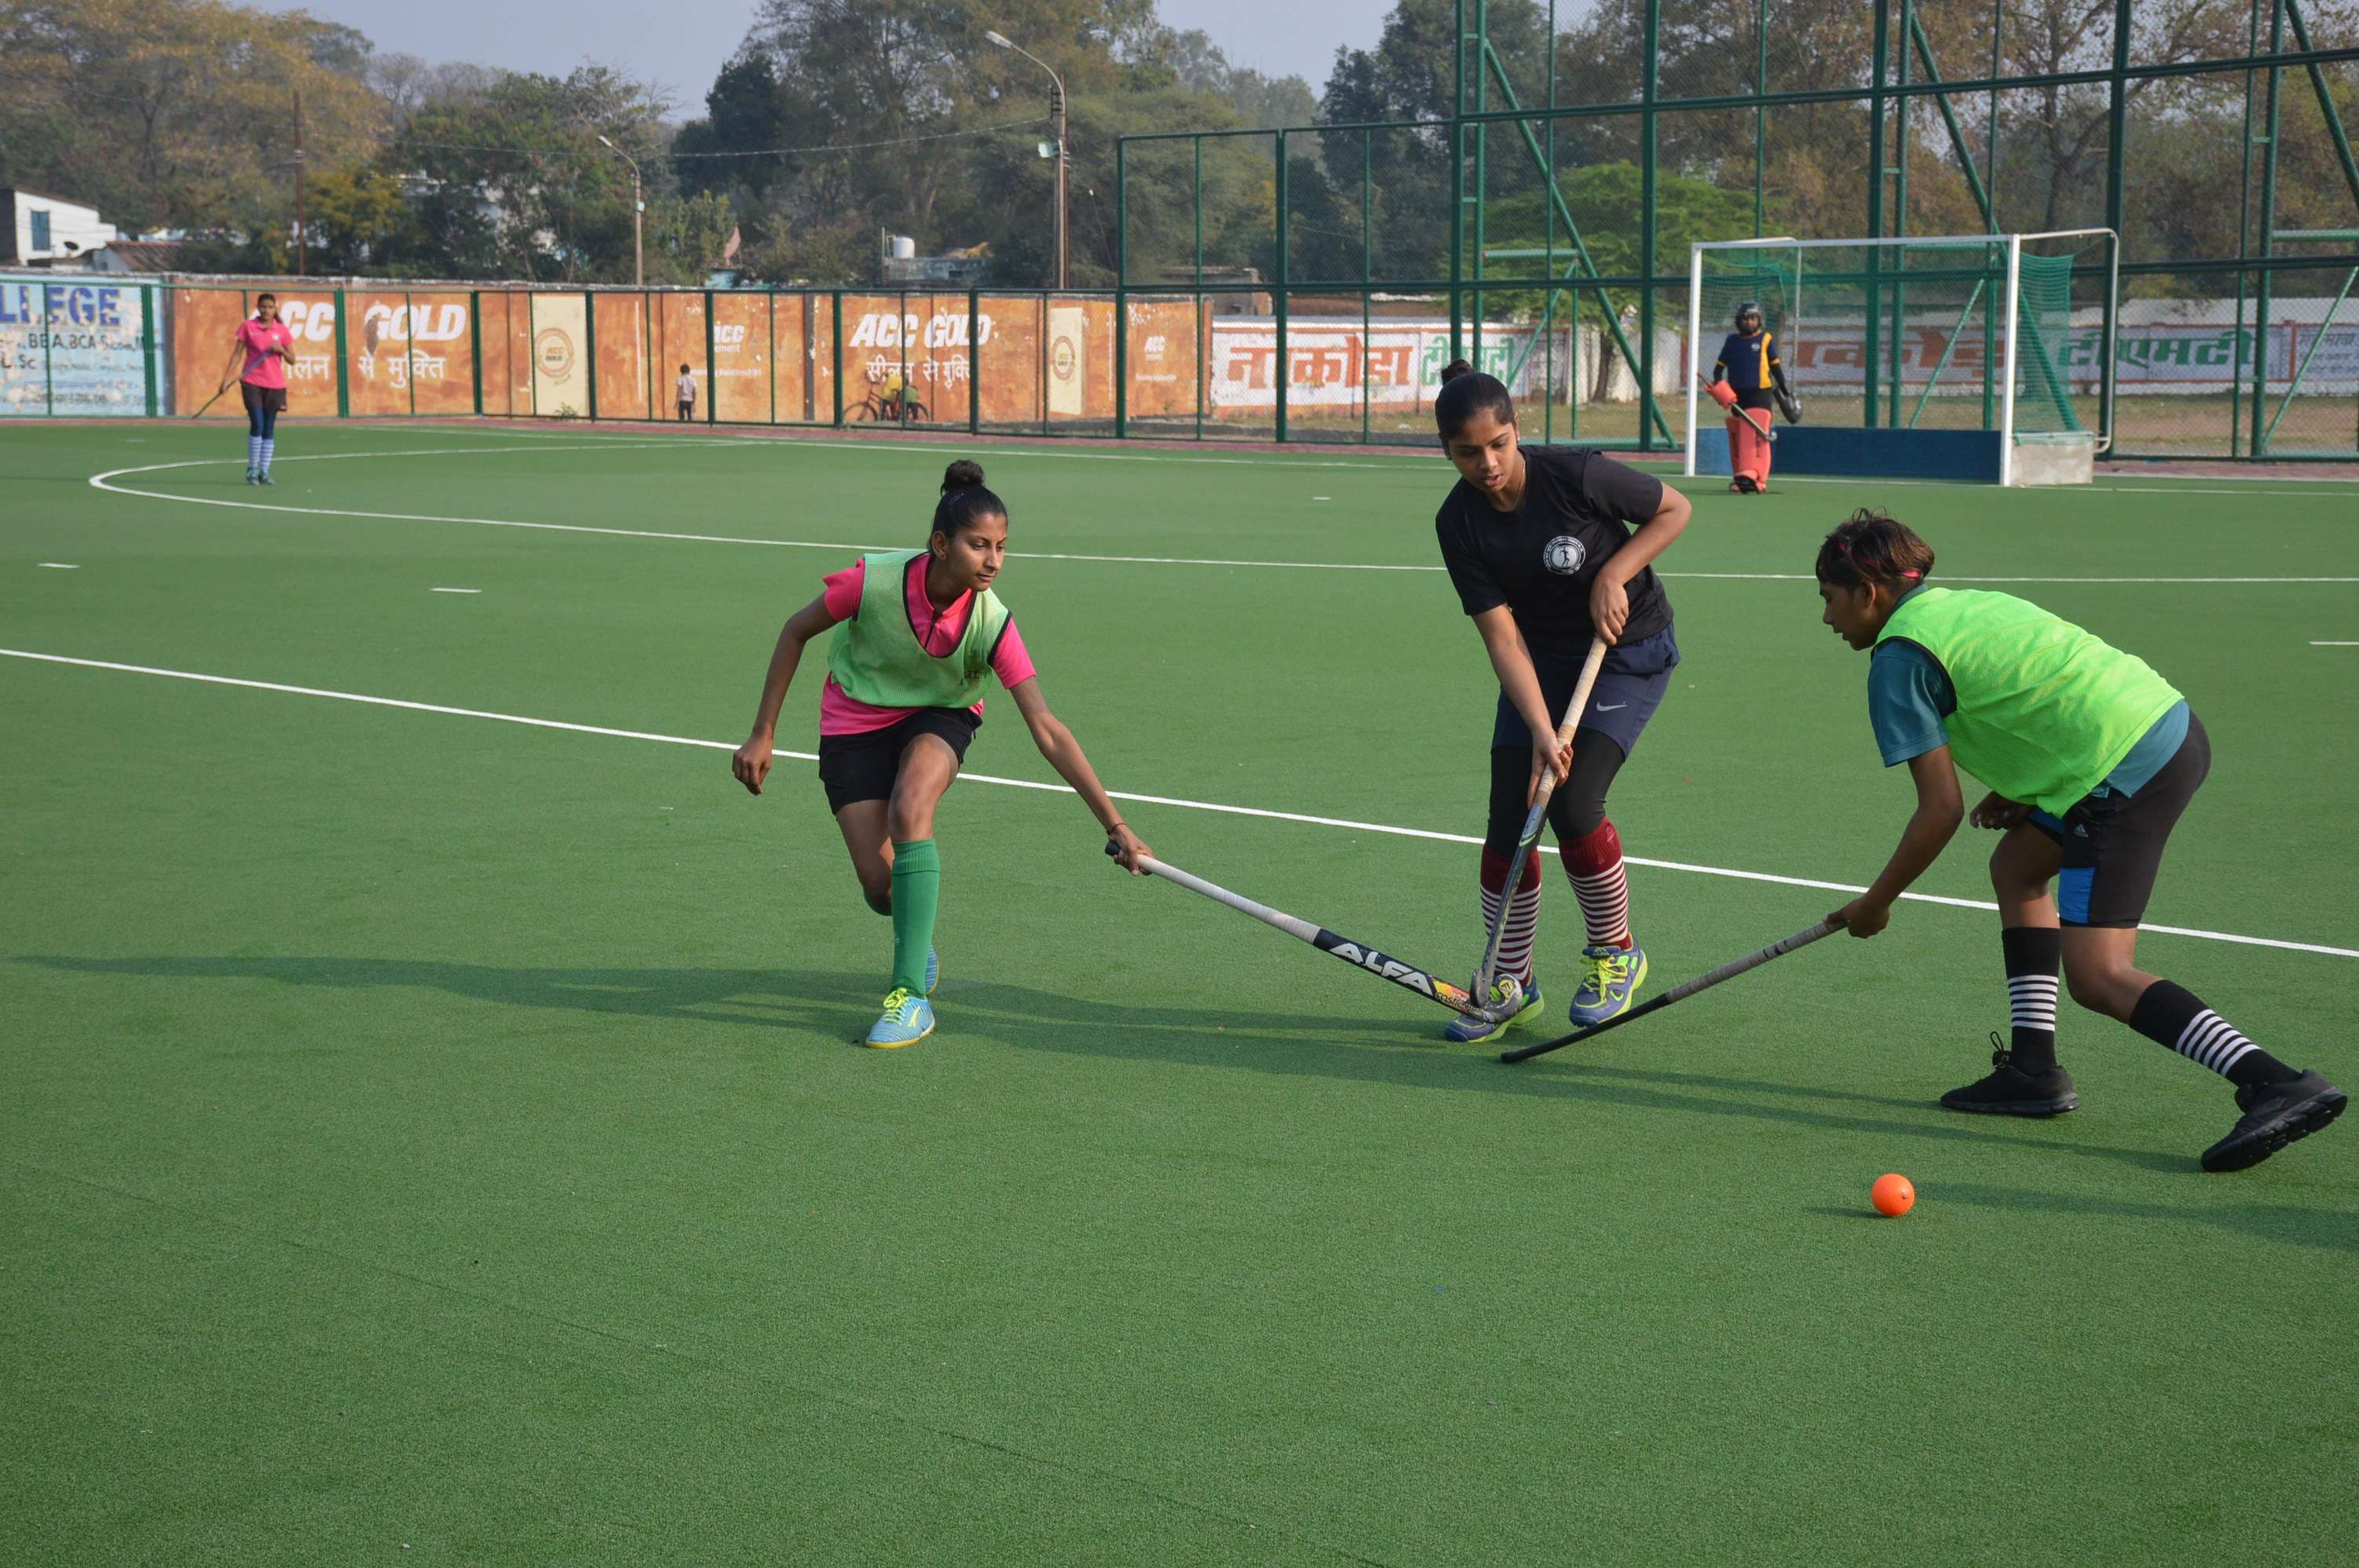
(1893, 1195)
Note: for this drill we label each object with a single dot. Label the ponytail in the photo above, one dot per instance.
(965, 500)
(1466, 391)
(1872, 546)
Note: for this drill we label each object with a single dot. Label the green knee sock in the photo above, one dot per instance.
(917, 890)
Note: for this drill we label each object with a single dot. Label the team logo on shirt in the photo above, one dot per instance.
(1564, 555)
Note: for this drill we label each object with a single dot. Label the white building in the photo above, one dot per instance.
(48, 231)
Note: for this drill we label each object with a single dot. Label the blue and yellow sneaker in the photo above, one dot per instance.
(262, 476)
(907, 1019)
(1466, 1028)
(1609, 977)
(933, 970)
(253, 476)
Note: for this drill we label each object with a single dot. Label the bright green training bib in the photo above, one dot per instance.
(876, 658)
(2045, 710)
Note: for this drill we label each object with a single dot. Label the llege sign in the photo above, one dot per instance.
(77, 349)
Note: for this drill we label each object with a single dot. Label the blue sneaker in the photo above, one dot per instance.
(263, 477)
(933, 970)
(1466, 1028)
(907, 1019)
(1609, 977)
(253, 476)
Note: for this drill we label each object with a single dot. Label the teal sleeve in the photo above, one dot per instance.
(1908, 693)
(2157, 746)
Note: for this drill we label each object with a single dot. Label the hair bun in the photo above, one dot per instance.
(963, 474)
(1455, 369)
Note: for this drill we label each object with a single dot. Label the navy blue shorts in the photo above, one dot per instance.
(1630, 686)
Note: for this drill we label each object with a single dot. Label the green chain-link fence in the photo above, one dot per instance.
(1542, 226)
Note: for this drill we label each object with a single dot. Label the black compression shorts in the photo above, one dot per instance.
(2112, 844)
(865, 766)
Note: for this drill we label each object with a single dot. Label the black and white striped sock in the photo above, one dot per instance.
(2174, 1016)
(2034, 954)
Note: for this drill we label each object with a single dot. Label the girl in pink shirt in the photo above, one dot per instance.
(915, 633)
(262, 346)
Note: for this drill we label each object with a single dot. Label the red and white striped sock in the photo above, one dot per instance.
(1523, 915)
(1594, 864)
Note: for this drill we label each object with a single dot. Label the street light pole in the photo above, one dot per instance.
(638, 217)
(1057, 113)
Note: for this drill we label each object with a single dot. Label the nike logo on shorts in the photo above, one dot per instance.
(1610, 706)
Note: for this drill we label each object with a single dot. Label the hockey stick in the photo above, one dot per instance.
(1741, 413)
(1676, 993)
(1486, 972)
(1357, 953)
(216, 397)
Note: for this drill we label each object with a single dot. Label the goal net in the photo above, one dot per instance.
(1957, 350)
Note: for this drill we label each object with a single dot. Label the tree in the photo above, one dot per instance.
(518, 185)
(360, 222)
(745, 112)
(687, 239)
(178, 113)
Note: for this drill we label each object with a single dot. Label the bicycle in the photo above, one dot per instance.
(904, 408)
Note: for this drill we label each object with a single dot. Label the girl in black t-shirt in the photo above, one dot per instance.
(1540, 547)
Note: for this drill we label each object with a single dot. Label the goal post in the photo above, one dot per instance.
(1972, 357)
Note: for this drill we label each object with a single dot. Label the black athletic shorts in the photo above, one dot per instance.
(262, 399)
(863, 766)
(2113, 843)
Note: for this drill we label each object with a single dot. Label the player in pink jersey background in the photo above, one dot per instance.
(257, 362)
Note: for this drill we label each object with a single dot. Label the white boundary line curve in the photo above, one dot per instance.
(1387, 828)
(103, 481)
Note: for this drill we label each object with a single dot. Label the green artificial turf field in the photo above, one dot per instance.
(432, 1139)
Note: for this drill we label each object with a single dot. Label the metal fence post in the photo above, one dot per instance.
(1875, 101)
(148, 341)
(835, 352)
(344, 387)
(2262, 290)
(1650, 86)
(1277, 375)
(590, 346)
(1458, 179)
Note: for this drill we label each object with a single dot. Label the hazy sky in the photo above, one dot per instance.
(686, 48)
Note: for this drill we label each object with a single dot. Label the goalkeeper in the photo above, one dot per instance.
(1749, 368)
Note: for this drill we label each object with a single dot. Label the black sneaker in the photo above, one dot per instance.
(2275, 1115)
(1744, 484)
(2011, 1091)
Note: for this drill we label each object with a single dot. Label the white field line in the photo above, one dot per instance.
(1284, 457)
(455, 591)
(2335, 644)
(57, 566)
(104, 481)
(2159, 484)
(1174, 801)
